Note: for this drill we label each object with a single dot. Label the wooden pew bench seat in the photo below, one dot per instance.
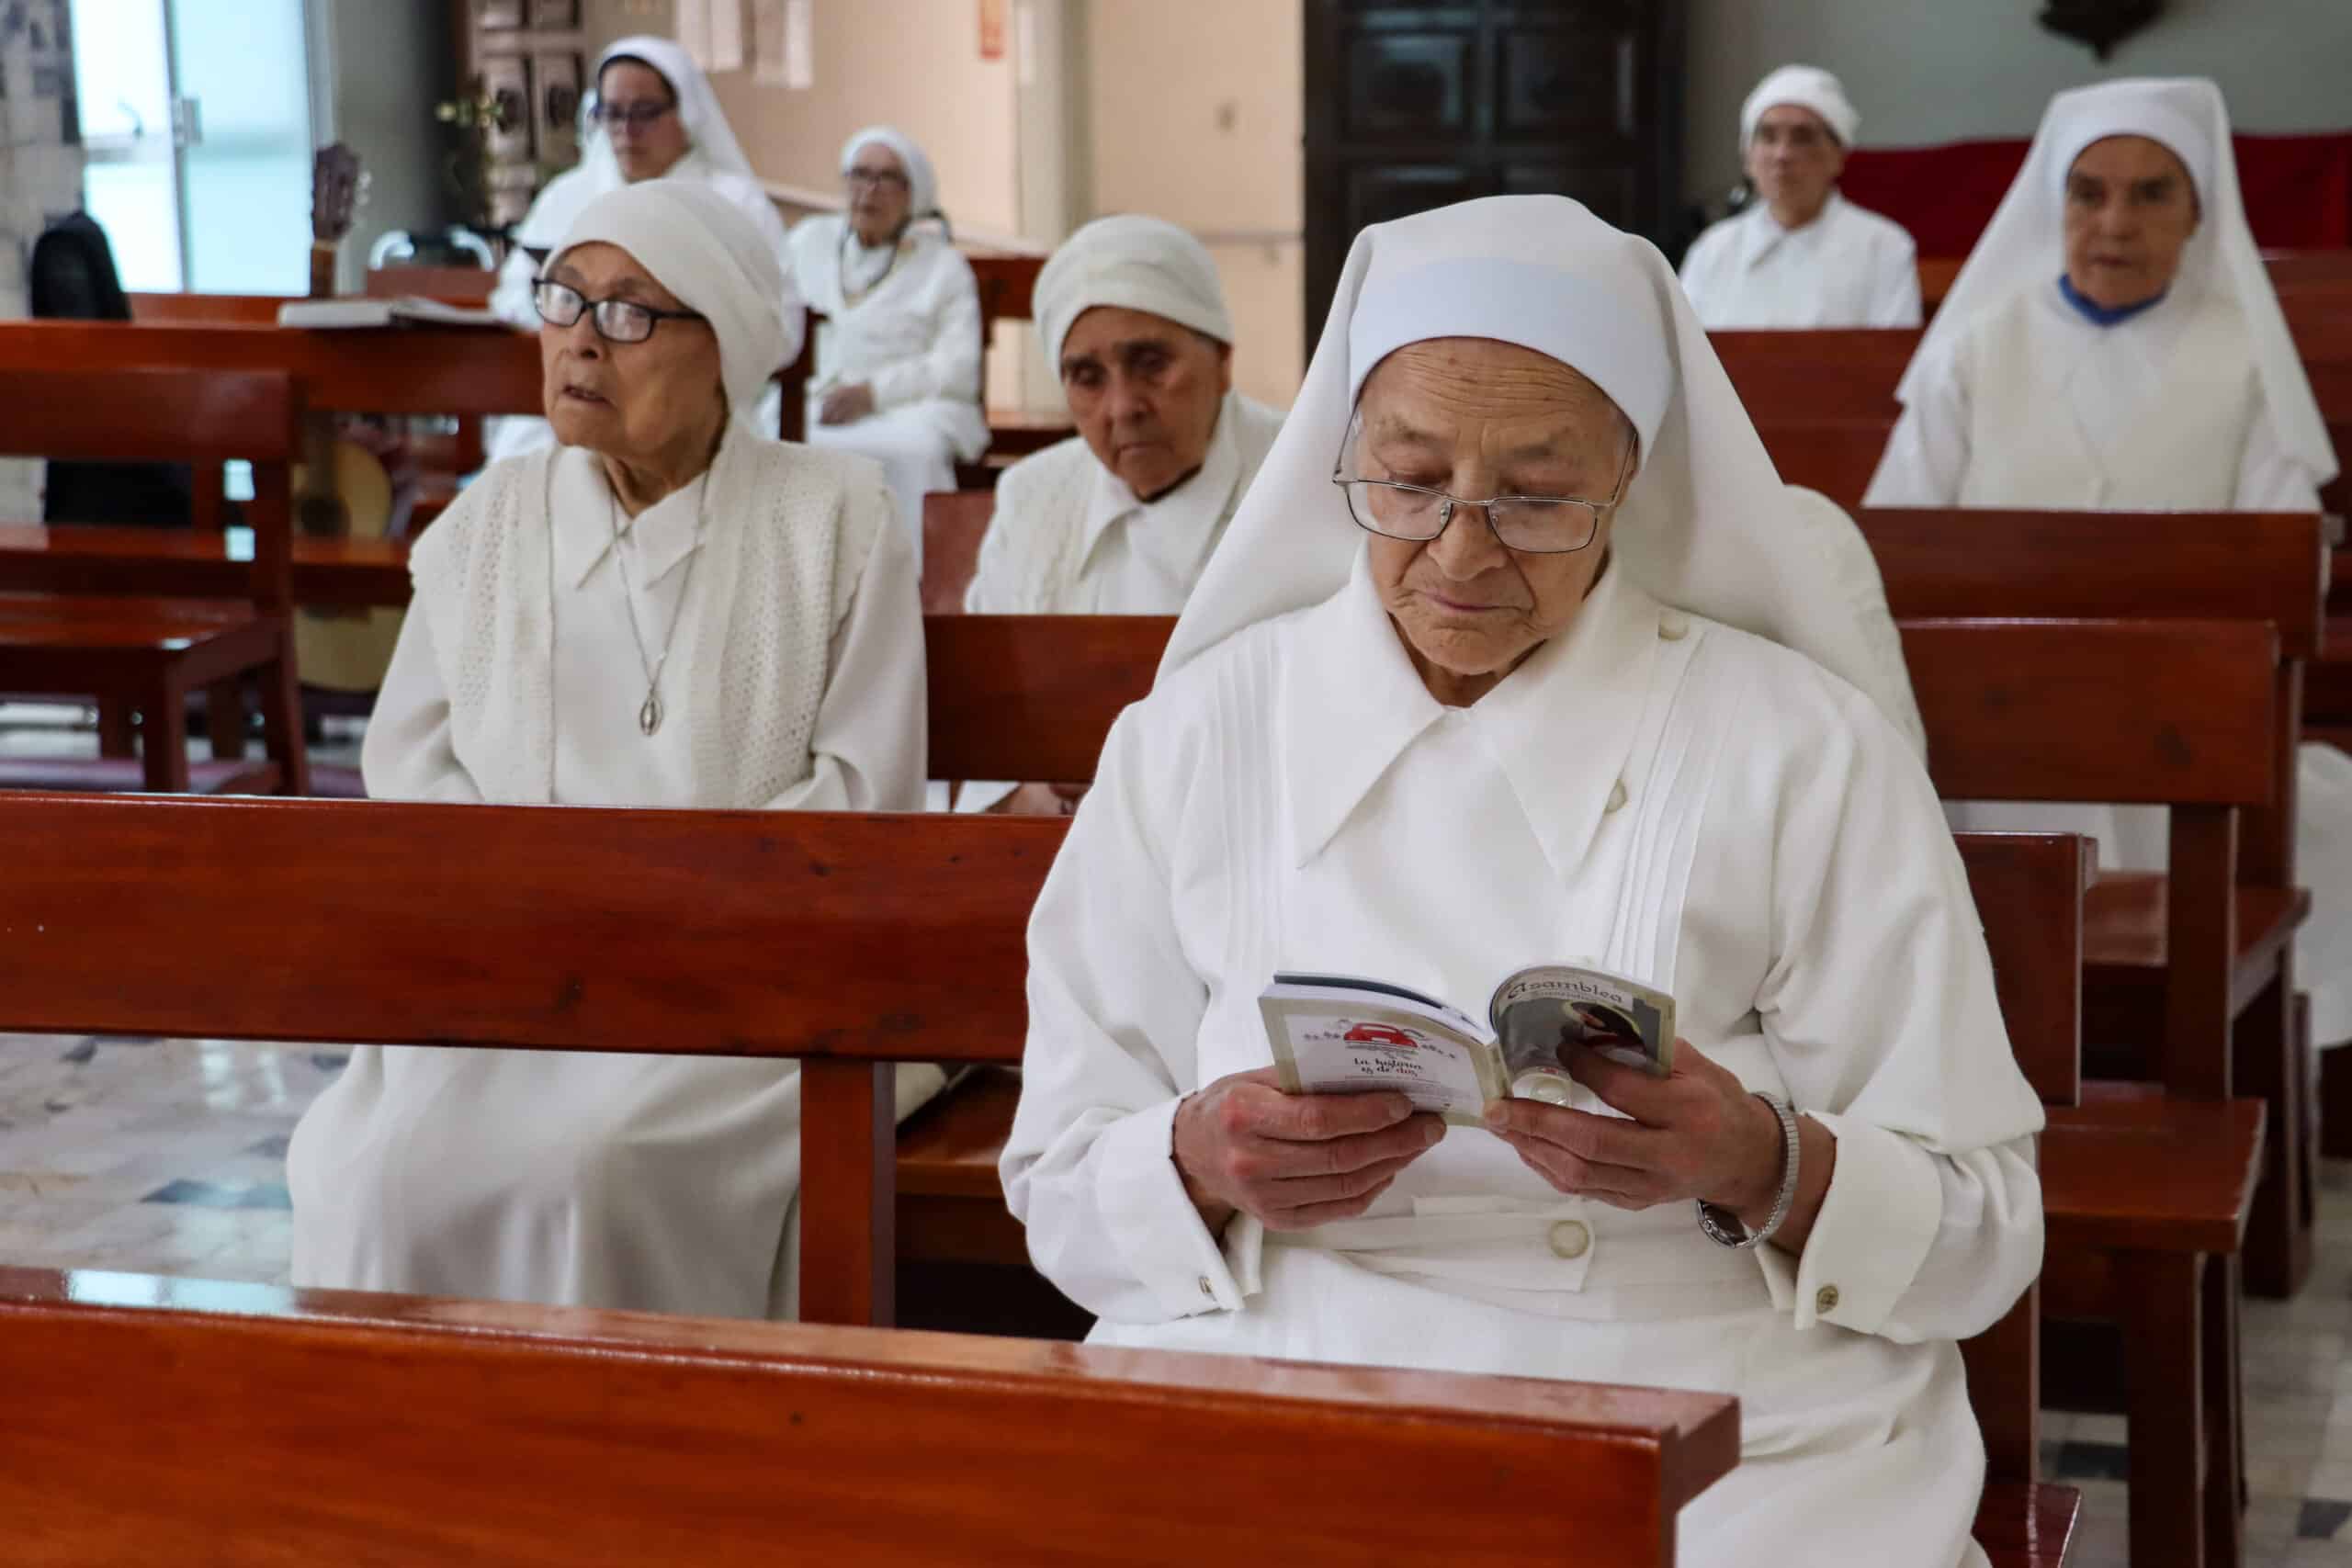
(2124, 948)
(2027, 1525)
(329, 573)
(2132, 1168)
(951, 1205)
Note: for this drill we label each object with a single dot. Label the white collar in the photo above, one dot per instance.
(582, 515)
(1191, 510)
(1561, 724)
(1762, 233)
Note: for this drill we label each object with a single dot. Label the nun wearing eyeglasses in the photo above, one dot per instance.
(652, 115)
(1517, 652)
(667, 611)
(898, 352)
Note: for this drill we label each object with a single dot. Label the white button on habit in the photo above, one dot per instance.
(1673, 626)
(1569, 1238)
(1616, 796)
(1824, 1299)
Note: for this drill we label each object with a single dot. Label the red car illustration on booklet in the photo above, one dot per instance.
(1343, 1034)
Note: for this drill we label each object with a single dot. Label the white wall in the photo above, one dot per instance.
(1930, 71)
(387, 66)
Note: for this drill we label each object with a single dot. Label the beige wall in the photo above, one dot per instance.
(1196, 117)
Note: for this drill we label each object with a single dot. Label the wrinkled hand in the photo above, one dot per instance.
(1696, 1134)
(846, 405)
(1294, 1160)
(1041, 800)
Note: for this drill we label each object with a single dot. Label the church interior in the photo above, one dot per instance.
(759, 758)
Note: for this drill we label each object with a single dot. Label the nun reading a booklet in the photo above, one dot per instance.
(669, 610)
(1518, 653)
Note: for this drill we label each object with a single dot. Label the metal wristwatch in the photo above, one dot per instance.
(1722, 1226)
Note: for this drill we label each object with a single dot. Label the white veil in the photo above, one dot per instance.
(1707, 526)
(2024, 246)
(599, 171)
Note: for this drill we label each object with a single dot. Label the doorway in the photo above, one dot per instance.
(197, 122)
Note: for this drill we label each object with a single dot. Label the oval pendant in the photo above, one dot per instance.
(648, 717)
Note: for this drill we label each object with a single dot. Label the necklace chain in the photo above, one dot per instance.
(649, 715)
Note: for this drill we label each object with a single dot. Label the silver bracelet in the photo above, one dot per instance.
(1722, 1226)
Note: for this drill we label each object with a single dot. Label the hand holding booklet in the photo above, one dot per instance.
(1338, 1034)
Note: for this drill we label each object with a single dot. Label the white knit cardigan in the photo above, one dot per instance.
(787, 530)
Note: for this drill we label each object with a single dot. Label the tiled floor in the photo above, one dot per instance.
(169, 1157)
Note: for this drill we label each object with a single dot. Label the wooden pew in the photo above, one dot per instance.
(149, 652)
(954, 524)
(1007, 284)
(2257, 567)
(435, 1431)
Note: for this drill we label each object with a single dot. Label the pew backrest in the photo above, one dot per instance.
(149, 414)
(955, 522)
(1032, 696)
(427, 1431)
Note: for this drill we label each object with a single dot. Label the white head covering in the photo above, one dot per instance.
(1137, 263)
(922, 184)
(600, 170)
(2024, 246)
(1808, 87)
(700, 247)
(1707, 525)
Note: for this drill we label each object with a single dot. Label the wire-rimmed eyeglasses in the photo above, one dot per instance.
(1531, 525)
(616, 321)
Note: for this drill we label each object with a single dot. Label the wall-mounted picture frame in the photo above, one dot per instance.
(491, 15)
(556, 78)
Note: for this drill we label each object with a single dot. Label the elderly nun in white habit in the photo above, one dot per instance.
(1800, 254)
(1121, 518)
(2114, 344)
(651, 115)
(668, 610)
(898, 353)
(1620, 705)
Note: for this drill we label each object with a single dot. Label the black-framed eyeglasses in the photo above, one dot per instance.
(880, 179)
(1529, 525)
(637, 116)
(616, 321)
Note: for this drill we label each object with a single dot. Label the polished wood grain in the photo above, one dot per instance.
(426, 370)
(2027, 1527)
(150, 652)
(424, 1431)
(207, 310)
(2141, 1170)
(2028, 893)
(2164, 712)
(2250, 566)
(954, 524)
(194, 563)
(1837, 456)
(806, 935)
(452, 285)
(1032, 696)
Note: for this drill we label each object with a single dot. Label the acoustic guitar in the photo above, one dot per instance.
(342, 488)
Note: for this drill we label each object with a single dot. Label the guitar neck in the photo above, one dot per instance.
(322, 271)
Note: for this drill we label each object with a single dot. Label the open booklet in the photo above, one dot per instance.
(363, 312)
(1338, 1034)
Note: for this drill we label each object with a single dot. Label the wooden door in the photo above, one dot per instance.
(1410, 106)
(524, 60)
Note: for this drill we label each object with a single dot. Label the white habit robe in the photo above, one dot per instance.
(1849, 267)
(914, 336)
(2034, 407)
(1069, 538)
(664, 1184)
(1652, 790)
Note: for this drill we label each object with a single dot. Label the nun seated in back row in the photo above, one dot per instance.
(669, 610)
(2114, 343)
(651, 117)
(1517, 652)
(898, 353)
